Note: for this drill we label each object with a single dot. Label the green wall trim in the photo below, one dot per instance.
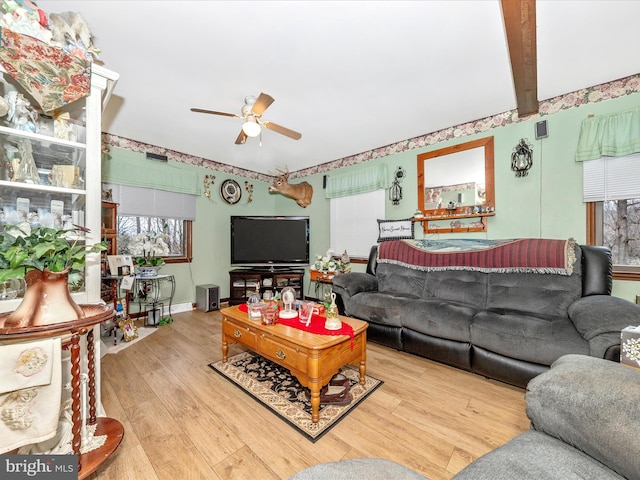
(124, 167)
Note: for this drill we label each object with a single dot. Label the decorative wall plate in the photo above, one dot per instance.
(230, 191)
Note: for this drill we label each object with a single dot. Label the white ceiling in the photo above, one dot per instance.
(351, 76)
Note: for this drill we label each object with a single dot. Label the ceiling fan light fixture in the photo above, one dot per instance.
(251, 128)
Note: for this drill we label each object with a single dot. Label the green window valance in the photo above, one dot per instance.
(613, 135)
(360, 181)
(129, 168)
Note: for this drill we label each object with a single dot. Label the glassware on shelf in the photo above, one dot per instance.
(27, 171)
(8, 290)
(55, 177)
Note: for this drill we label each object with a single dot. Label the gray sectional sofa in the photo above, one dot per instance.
(584, 420)
(505, 318)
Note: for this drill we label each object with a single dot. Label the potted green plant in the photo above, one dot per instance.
(44, 257)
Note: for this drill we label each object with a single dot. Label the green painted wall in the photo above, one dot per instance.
(546, 203)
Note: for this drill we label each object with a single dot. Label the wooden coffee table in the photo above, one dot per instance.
(313, 359)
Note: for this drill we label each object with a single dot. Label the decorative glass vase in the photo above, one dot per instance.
(270, 313)
(255, 305)
(27, 171)
(46, 301)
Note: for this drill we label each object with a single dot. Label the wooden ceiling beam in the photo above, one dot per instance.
(520, 25)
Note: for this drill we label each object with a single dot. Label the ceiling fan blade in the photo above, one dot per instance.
(213, 112)
(262, 103)
(242, 138)
(282, 130)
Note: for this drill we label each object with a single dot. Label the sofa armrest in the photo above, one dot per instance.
(348, 284)
(600, 318)
(590, 404)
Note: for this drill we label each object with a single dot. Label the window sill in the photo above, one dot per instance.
(626, 274)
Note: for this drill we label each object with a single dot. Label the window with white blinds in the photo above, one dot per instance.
(151, 202)
(611, 178)
(354, 222)
(146, 210)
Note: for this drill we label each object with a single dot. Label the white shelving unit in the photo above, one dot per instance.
(79, 196)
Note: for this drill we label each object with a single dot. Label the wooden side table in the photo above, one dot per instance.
(151, 293)
(323, 283)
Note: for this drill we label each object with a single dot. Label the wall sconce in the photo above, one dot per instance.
(522, 158)
(208, 181)
(395, 192)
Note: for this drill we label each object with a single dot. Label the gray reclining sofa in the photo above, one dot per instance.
(507, 314)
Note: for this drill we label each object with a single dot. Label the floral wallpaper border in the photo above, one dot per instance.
(598, 93)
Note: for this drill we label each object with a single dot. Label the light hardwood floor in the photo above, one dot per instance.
(184, 421)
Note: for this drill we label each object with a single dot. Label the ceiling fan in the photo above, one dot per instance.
(252, 111)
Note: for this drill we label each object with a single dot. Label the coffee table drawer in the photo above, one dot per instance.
(287, 355)
(243, 334)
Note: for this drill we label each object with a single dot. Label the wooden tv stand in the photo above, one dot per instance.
(243, 281)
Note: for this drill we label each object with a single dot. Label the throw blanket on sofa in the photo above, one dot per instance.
(527, 255)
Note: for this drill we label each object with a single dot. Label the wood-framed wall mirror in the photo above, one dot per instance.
(456, 187)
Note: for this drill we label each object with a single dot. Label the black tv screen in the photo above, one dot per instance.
(269, 240)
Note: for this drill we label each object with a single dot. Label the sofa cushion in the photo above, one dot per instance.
(541, 294)
(439, 318)
(397, 279)
(591, 404)
(462, 286)
(377, 307)
(536, 456)
(600, 318)
(598, 314)
(354, 283)
(526, 337)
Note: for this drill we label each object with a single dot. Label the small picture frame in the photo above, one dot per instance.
(129, 329)
(124, 270)
(395, 230)
(117, 264)
(107, 194)
(126, 283)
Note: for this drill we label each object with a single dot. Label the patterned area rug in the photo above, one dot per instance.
(278, 390)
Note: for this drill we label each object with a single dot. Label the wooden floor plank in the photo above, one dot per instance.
(183, 420)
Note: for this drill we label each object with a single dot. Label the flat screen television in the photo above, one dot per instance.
(269, 241)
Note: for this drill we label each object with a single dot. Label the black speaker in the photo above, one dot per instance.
(207, 297)
(541, 130)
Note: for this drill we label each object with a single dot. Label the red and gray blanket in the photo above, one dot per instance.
(525, 255)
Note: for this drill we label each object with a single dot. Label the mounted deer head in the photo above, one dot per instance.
(300, 192)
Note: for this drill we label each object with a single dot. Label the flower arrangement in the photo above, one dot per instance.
(148, 249)
(331, 264)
